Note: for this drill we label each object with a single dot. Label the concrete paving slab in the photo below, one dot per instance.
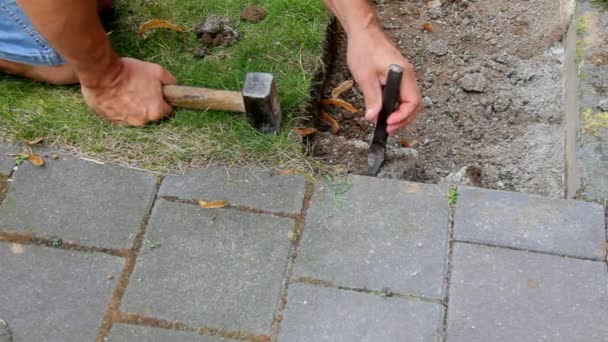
(7, 162)
(137, 333)
(75, 200)
(574, 228)
(248, 187)
(379, 234)
(55, 295)
(498, 294)
(325, 314)
(216, 268)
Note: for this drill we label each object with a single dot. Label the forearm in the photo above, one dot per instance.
(354, 15)
(73, 28)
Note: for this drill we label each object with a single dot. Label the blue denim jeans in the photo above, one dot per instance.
(19, 40)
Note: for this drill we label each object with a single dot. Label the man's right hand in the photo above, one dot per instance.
(132, 94)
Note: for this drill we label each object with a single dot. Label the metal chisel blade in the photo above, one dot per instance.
(375, 158)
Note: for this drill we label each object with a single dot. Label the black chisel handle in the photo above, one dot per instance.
(389, 101)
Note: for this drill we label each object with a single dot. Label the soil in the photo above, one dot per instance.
(491, 76)
(3, 187)
(214, 31)
(253, 14)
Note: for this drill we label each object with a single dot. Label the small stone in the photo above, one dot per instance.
(110, 277)
(469, 175)
(427, 102)
(358, 144)
(502, 103)
(212, 25)
(253, 14)
(603, 105)
(438, 48)
(54, 156)
(200, 52)
(434, 4)
(473, 83)
(292, 236)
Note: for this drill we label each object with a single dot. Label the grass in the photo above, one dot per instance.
(452, 196)
(592, 122)
(289, 43)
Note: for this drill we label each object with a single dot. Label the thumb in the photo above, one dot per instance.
(166, 78)
(372, 94)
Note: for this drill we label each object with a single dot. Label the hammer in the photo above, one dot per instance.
(258, 99)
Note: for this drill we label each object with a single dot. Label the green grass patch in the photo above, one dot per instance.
(592, 122)
(289, 43)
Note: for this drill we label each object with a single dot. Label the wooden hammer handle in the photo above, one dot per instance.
(202, 98)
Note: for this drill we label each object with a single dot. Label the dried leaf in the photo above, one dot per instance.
(340, 89)
(213, 205)
(35, 141)
(159, 23)
(340, 103)
(428, 28)
(408, 144)
(304, 132)
(335, 127)
(287, 172)
(36, 160)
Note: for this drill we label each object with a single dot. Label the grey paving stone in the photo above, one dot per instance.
(136, 333)
(572, 228)
(379, 234)
(7, 162)
(101, 205)
(498, 294)
(325, 314)
(247, 187)
(217, 268)
(55, 295)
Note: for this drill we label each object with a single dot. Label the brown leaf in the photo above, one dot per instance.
(287, 172)
(340, 103)
(306, 131)
(35, 141)
(340, 89)
(428, 28)
(213, 205)
(408, 144)
(36, 160)
(335, 127)
(159, 23)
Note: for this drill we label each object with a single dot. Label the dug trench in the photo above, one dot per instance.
(491, 75)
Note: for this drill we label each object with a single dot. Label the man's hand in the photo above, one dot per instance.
(122, 90)
(132, 94)
(369, 54)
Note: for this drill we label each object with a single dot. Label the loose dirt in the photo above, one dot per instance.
(253, 14)
(214, 31)
(491, 76)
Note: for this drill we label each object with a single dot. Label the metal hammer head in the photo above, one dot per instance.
(262, 103)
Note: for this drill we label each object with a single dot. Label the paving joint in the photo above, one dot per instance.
(32, 239)
(487, 244)
(229, 206)
(135, 319)
(113, 307)
(386, 293)
(5, 182)
(448, 273)
(293, 253)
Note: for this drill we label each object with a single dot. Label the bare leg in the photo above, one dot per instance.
(57, 75)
